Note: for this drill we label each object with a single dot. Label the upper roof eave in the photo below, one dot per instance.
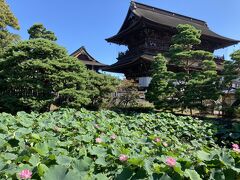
(82, 50)
(148, 7)
(202, 25)
(205, 32)
(120, 33)
(211, 34)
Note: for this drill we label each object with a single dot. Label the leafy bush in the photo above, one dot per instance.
(7, 20)
(101, 87)
(71, 144)
(172, 88)
(37, 74)
(127, 95)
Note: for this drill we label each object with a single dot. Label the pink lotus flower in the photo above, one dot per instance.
(25, 174)
(170, 161)
(113, 136)
(235, 146)
(57, 129)
(165, 144)
(123, 157)
(97, 126)
(98, 140)
(157, 139)
(236, 150)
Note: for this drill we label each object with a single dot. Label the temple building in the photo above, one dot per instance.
(88, 60)
(147, 31)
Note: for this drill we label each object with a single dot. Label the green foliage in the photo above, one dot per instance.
(39, 31)
(231, 70)
(62, 145)
(236, 56)
(7, 17)
(101, 88)
(196, 82)
(7, 20)
(126, 95)
(160, 89)
(231, 73)
(187, 36)
(203, 87)
(37, 73)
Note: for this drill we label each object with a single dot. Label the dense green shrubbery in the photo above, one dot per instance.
(38, 73)
(71, 144)
(194, 83)
(7, 20)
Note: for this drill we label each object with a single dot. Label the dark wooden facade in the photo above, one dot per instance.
(147, 31)
(88, 60)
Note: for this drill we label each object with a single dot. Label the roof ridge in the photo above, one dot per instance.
(82, 48)
(169, 13)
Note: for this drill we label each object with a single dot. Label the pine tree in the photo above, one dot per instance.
(36, 73)
(197, 80)
(231, 73)
(39, 31)
(161, 89)
(7, 19)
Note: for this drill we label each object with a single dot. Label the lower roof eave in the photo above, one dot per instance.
(117, 65)
(112, 69)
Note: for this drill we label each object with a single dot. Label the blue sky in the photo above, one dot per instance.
(89, 23)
